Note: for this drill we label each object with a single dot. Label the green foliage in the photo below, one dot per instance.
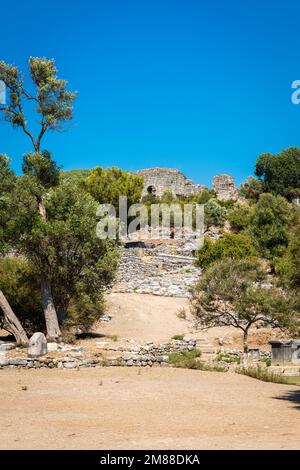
(178, 337)
(42, 168)
(235, 246)
(270, 223)
(20, 284)
(79, 264)
(74, 175)
(106, 186)
(262, 373)
(64, 246)
(190, 360)
(251, 189)
(229, 358)
(214, 213)
(54, 103)
(288, 266)
(203, 197)
(239, 217)
(168, 198)
(231, 294)
(280, 173)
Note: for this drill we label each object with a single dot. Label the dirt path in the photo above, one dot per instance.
(145, 317)
(154, 408)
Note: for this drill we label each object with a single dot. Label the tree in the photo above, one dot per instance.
(288, 266)
(235, 246)
(106, 186)
(270, 223)
(280, 173)
(54, 106)
(214, 214)
(231, 294)
(81, 264)
(20, 284)
(251, 189)
(239, 217)
(7, 180)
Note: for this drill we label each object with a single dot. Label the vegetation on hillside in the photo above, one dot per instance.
(54, 269)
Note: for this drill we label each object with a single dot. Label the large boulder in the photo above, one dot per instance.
(37, 345)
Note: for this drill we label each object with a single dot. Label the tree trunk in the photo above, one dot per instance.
(53, 330)
(14, 326)
(41, 207)
(246, 348)
(52, 325)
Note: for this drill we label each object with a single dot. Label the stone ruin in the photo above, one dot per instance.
(157, 181)
(225, 187)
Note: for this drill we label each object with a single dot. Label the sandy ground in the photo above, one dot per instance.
(145, 317)
(158, 408)
(155, 408)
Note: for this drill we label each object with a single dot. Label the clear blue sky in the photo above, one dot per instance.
(204, 86)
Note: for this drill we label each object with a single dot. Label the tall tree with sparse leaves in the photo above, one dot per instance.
(53, 104)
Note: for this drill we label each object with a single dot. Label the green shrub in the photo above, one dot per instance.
(239, 217)
(214, 214)
(235, 246)
(229, 358)
(262, 373)
(178, 337)
(190, 360)
(20, 284)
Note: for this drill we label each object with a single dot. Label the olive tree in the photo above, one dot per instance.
(231, 293)
(7, 180)
(53, 105)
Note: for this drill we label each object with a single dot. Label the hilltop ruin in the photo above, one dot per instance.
(158, 181)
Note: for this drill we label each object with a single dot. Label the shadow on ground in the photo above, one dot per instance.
(293, 396)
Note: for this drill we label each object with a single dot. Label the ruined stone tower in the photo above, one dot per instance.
(159, 180)
(225, 187)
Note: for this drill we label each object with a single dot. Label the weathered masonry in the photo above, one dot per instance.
(158, 181)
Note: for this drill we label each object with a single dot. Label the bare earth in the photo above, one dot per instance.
(154, 408)
(145, 317)
(158, 408)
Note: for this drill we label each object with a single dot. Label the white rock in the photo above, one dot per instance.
(52, 347)
(3, 360)
(37, 345)
(7, 346)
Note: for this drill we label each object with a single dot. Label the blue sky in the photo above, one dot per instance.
(198, 85)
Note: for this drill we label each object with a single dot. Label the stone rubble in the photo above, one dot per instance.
(146, 271)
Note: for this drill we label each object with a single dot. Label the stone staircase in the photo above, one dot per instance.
(208, 350)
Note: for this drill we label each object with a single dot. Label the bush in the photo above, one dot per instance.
(235, 246)
(229, 358)
(239, 217)
(280, 173)
(20, 284)
(251, 189)
(178, 337)
(214, 214)
(261, 373)
(190, 360)
(270, 224)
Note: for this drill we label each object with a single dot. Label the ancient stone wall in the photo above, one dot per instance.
(151, 272)
(225, 187)
(159, 180)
